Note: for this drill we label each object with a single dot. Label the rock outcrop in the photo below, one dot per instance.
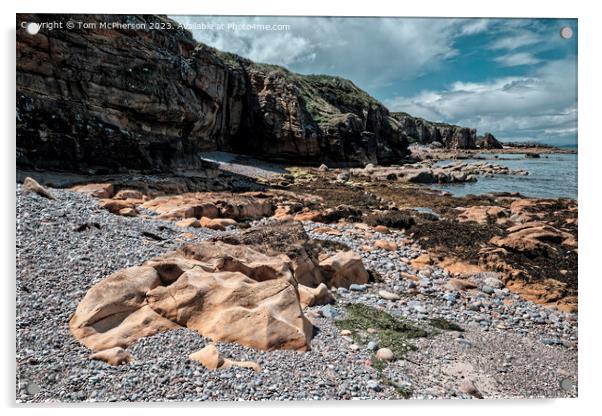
(488, 141)
(228, 293)
(114, 99)
(419, 130)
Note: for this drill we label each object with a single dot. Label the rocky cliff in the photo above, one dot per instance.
(419, 130)
(108, 100)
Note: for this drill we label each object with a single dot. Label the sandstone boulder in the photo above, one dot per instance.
(483, 214)
(188, 222)
(386, 245)
(344, 269)
(128, 194)
(114, 312)
(229, 293)
(128, 212)
(31, 185)
(211, 358)
(97, 190)
(534, 239)
(113, 356)
(315, 296)
(231, 307)
(290, 239)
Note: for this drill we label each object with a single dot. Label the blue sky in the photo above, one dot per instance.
(516, 78)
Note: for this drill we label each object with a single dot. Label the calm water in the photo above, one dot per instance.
(551, 177)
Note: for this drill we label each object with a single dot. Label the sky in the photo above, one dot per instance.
(515, 78)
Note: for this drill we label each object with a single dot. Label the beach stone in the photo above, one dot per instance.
(493, 282)
(388, 295)
(487, 289)
(385, 354)
(328, 311)
(467, 387)
(357, 288)
(386, 245)
(374, 385)
(343, 177)
(372, 345)
(345, 332)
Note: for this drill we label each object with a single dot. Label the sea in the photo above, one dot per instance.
(552, 175)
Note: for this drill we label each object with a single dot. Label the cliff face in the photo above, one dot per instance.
(423, 131)
(117, 99)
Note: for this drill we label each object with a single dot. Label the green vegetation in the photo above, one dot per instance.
(326, 99)
(393, 333)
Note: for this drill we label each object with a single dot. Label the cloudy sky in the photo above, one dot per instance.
(516, 78)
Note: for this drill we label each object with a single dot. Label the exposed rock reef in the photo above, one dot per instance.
(427, 173)
(106, 100)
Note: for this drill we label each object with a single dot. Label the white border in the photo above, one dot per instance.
(589, 153)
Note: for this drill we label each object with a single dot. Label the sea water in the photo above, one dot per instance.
(550, 176)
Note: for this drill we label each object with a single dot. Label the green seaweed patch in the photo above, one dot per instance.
(393, 332)
(445, 325)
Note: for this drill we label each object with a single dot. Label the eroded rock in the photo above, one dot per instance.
(212, 359)
(31, 185)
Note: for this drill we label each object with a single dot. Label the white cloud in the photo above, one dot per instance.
(370, 51)
(512, 42)
(517, 59)
(537, 106)
(472, 27)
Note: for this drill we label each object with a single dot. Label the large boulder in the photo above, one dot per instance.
(226, 292)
